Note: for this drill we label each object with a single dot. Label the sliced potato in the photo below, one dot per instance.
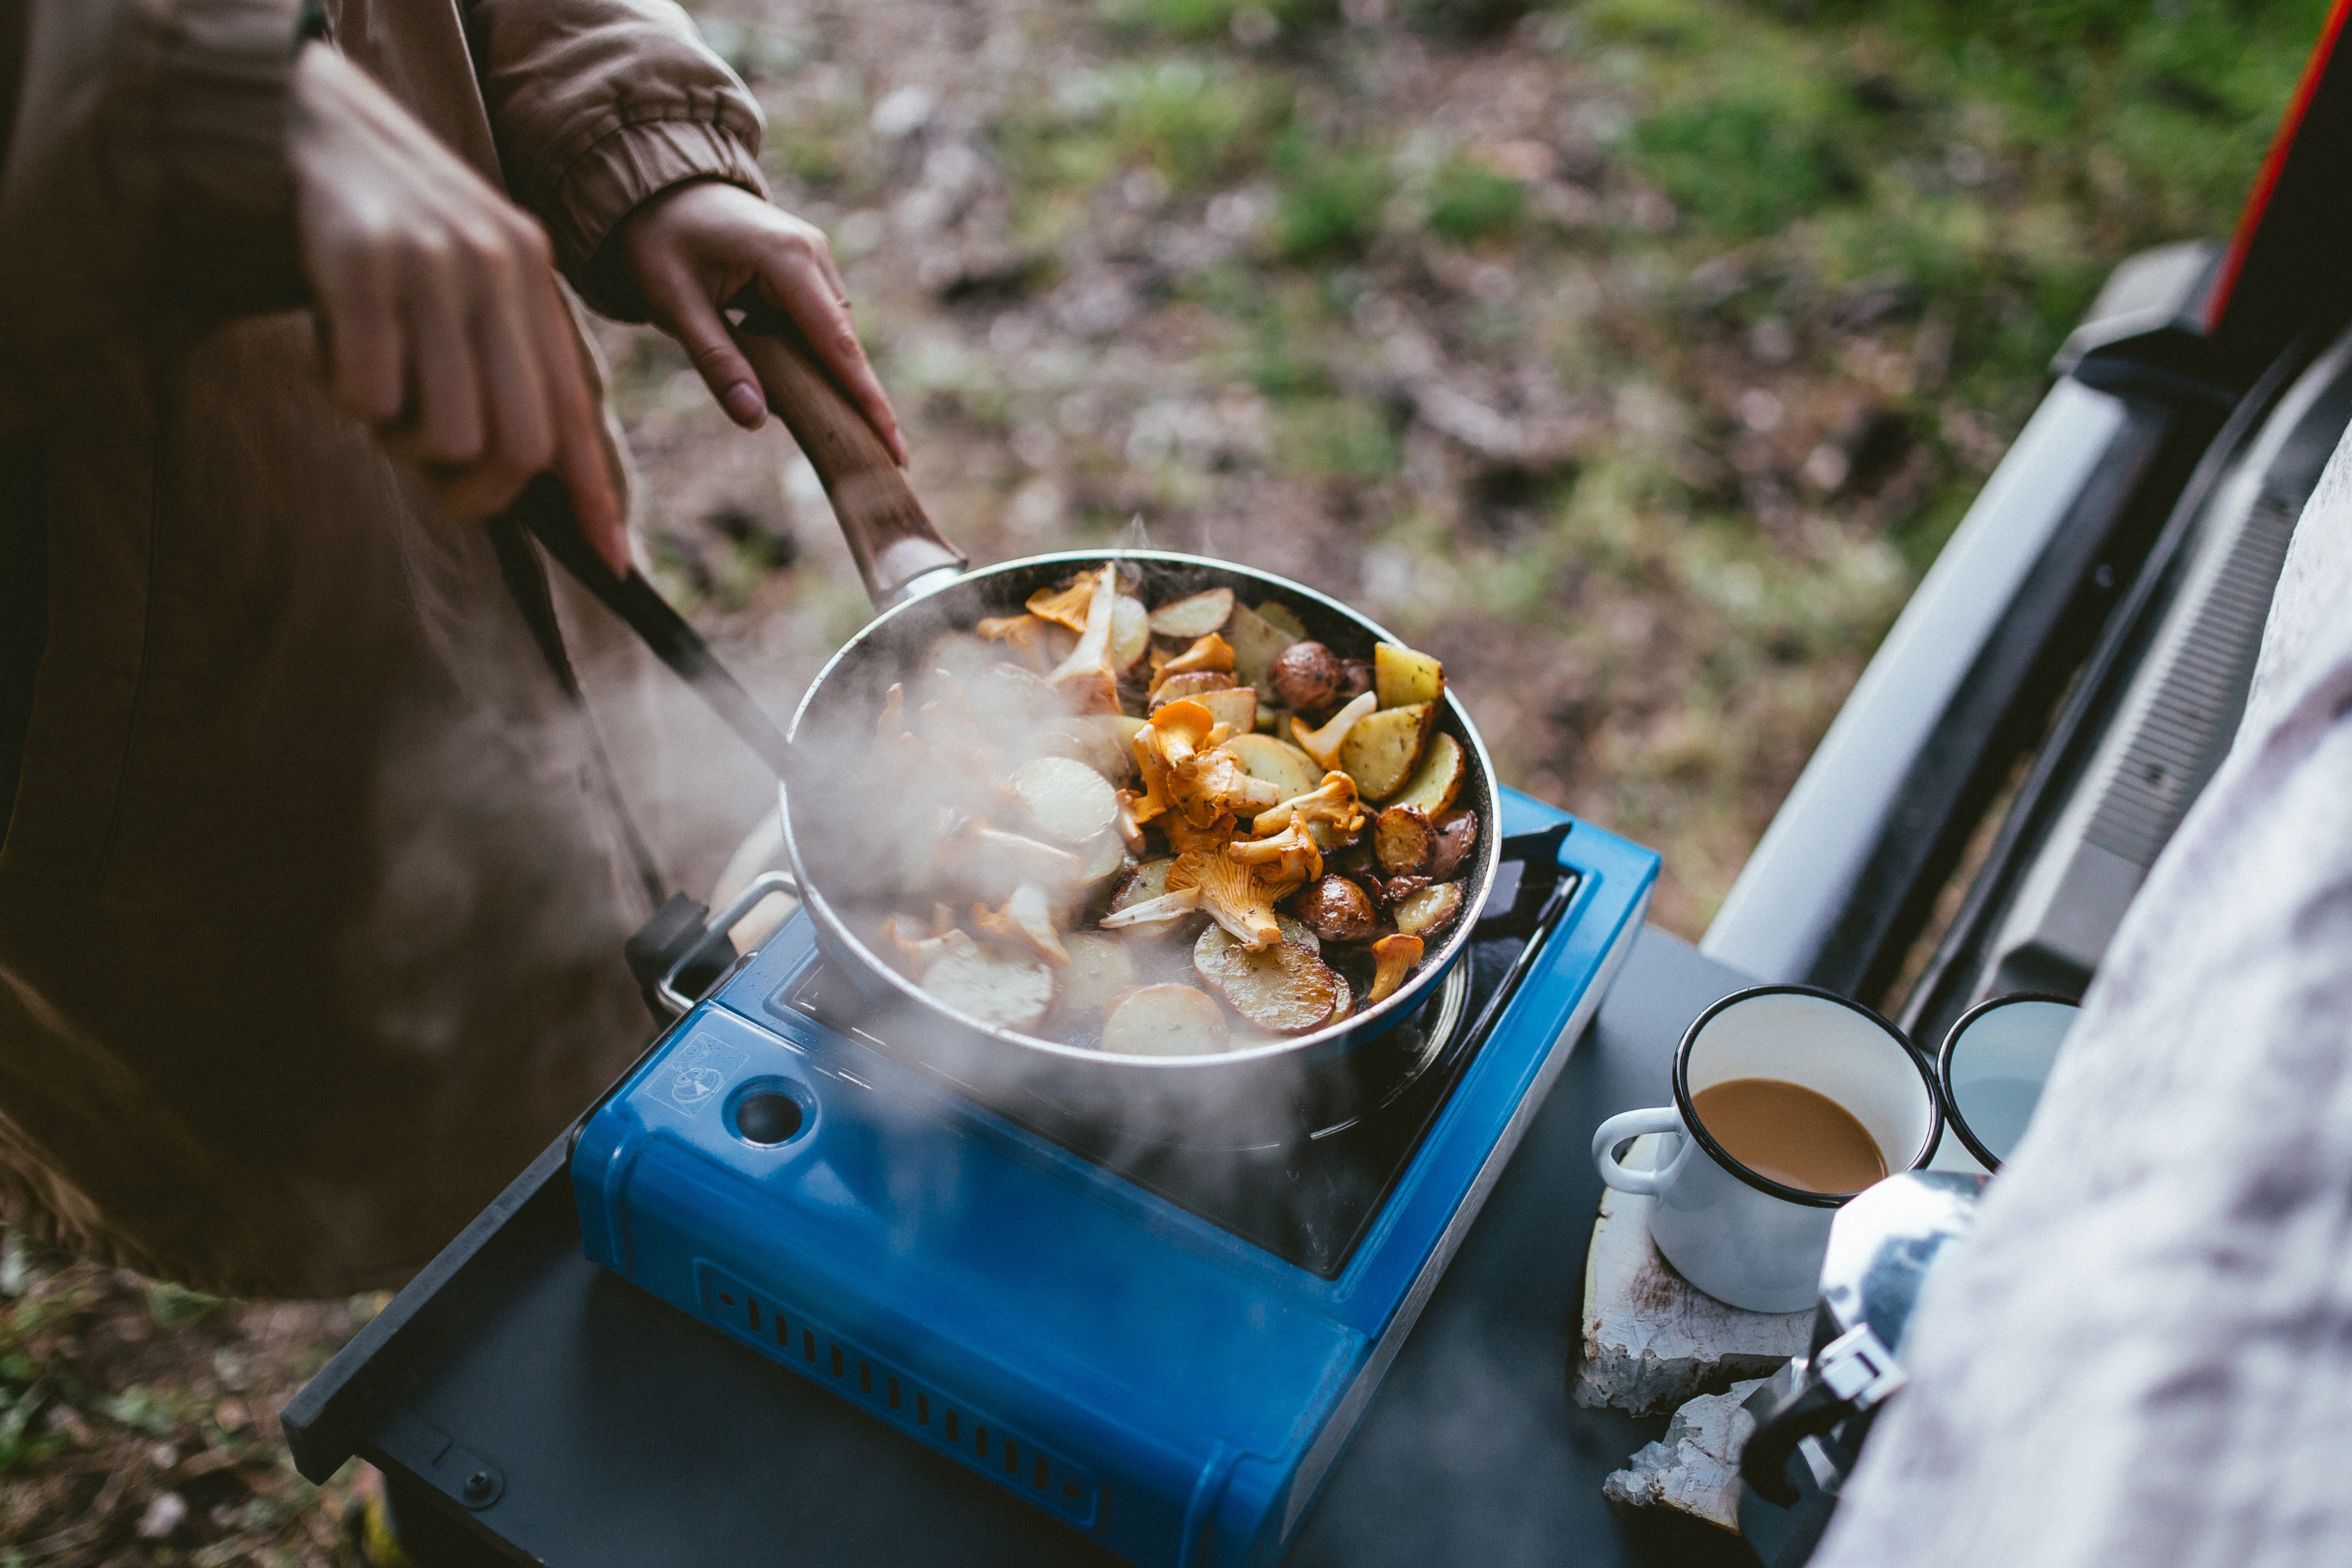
(1402, 841)
(1103, 741)
(1257, 642)
(1236, 707)
(1164, 1020)
(1457, 835)
(1106, 857)
(1381, 750)
(1283, 988)
(1430, 910)
(1010, 988)
(1347, 1002)
(1191, 683)
(1144, 884)
(1403, 677)
(1098, 971)
(1438, 779)
(1276, 613)
(1297, 933)
(1130, 632)
(1276, 762)
(1003, 697)
(1195, 615)
(991, 863)
(960, 655)
(1068, 800)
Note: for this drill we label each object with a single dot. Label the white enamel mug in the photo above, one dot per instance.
(1992, 1068)
(1743, 1237)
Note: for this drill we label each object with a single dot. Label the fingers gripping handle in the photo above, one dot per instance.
(892, 538)
(1633, 1124)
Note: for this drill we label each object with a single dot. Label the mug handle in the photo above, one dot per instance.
(1633, 1124)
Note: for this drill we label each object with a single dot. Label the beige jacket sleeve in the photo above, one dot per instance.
(148, 166)
(596, 106)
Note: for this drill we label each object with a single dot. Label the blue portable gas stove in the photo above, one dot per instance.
(1164, 1341)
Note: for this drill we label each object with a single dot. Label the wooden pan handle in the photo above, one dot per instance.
(889, 534)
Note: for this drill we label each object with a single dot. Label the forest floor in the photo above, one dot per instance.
(1634, 356)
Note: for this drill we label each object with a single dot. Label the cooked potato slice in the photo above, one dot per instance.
(1402, 841)
(1195, 615)
(1283, 988)
(1438, 779)
(1106, 857)
(1236, 707)
(1103, 741)
(1010, 988)
(1278, 614)
(1098, 971)
(960, 655)
(1284, 765)
(1380, 749)
(1430, 910)
(1256, 643)
(1144, 884)
(1196, 684)
(1067, 800)
(1164, 1020)
(1130, 632)
(1337, 910)
(1403, 677)
(1457, 835)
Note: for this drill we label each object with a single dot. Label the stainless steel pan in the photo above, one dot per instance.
(919, 584)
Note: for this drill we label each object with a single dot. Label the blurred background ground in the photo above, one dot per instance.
(1635, 356)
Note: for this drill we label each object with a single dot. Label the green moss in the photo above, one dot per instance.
(1335, 438)
(1332, 199)
(1468, 202)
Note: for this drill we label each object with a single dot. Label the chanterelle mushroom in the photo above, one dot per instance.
(1027, 918)
(1087, 679)
(1176, 732)
(1213, 783)
(1288, 856)
(1067, 605)
(1206, 654)
(1038, 640)
(915, 951)
(1396, 957)
(1331, 812)
(1240, 895)
(1323, 745)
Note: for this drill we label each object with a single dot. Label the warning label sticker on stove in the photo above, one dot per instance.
(696, 1075)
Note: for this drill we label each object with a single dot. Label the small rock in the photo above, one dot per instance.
(1695, 1469)
(162, 1516)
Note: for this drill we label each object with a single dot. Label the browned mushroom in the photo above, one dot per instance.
(1457, 835)
(1305, 676)
(1336, 910)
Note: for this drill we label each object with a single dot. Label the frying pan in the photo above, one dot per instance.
(921, 586)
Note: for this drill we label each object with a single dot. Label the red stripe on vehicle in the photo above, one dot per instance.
(2258, 202)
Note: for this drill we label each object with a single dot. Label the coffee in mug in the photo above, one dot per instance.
(1791, 1133)
(1788, 1100)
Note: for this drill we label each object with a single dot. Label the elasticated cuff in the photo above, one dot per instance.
(615, 173)
(210, 119)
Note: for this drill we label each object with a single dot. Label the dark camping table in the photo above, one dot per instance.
(597, 1425)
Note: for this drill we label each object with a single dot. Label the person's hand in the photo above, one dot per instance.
(444, 326)
(695, 246)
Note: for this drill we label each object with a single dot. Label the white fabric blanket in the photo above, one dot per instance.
(2144, 1355)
